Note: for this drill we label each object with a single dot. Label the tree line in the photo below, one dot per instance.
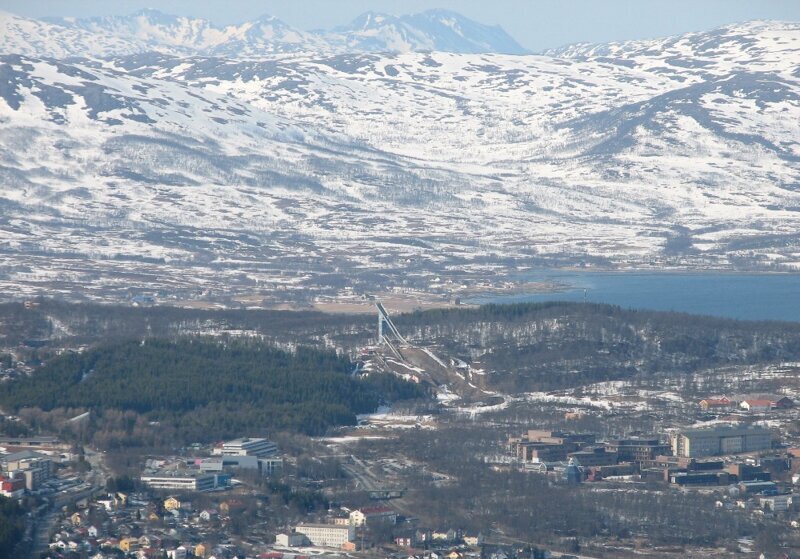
(12, 527)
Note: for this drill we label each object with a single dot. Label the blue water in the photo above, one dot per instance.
(741, 296)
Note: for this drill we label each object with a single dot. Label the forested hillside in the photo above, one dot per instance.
(207, 389)
(521, 347)
(557, 345)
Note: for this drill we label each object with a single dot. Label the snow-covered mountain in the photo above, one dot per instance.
(300, 172)
(151, 30)
(156, 31)
(33, 37)
(433, 30)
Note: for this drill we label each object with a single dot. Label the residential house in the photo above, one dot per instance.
(783, 403)
(172, 503)
(756, 406)
(473, 540)
(179, 552)
(231, 506)
(129, 545)
(713, 404)
(208, 514)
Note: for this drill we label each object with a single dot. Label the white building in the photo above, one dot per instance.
(184, 481)
(267, 466)
(373, 515)
(720, 440)
(776, 503)
(178, 553)
(326, 535)
(260, 448)
(290, 540)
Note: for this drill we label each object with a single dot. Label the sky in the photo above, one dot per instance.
(535, 24)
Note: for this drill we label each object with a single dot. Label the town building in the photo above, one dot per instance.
(34, 467)
(260, 448)
(13, 488)
(326, 535)
(373, 515)
(721, 440)
(185, 481)
(31, 442)
(548, 446)
(597, 456)
(266, 466)
(776, 503)
(637, 449)
(291, 540)
(699, 478)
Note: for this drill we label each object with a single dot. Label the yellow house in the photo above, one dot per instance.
(199, 550)
(129, 544)
(453, 555)
(153, 517)
(76, 519)
(171, 503)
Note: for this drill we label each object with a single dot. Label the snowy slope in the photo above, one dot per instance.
(305, 173)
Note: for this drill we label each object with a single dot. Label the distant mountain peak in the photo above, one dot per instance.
(431, 30)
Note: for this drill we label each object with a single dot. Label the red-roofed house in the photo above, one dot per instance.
(715, 403)
(756, 405)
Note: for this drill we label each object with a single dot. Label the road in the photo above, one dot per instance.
(47, 517)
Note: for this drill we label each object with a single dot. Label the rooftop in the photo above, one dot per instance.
(726, 429)
(23, 455)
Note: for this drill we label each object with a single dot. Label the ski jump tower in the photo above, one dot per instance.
(391, 333)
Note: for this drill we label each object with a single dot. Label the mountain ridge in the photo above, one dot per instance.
(301, 174)
(151, 29)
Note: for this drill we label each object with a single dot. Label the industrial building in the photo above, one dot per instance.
(716, 441)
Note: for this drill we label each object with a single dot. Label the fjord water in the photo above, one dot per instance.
(740, 296)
